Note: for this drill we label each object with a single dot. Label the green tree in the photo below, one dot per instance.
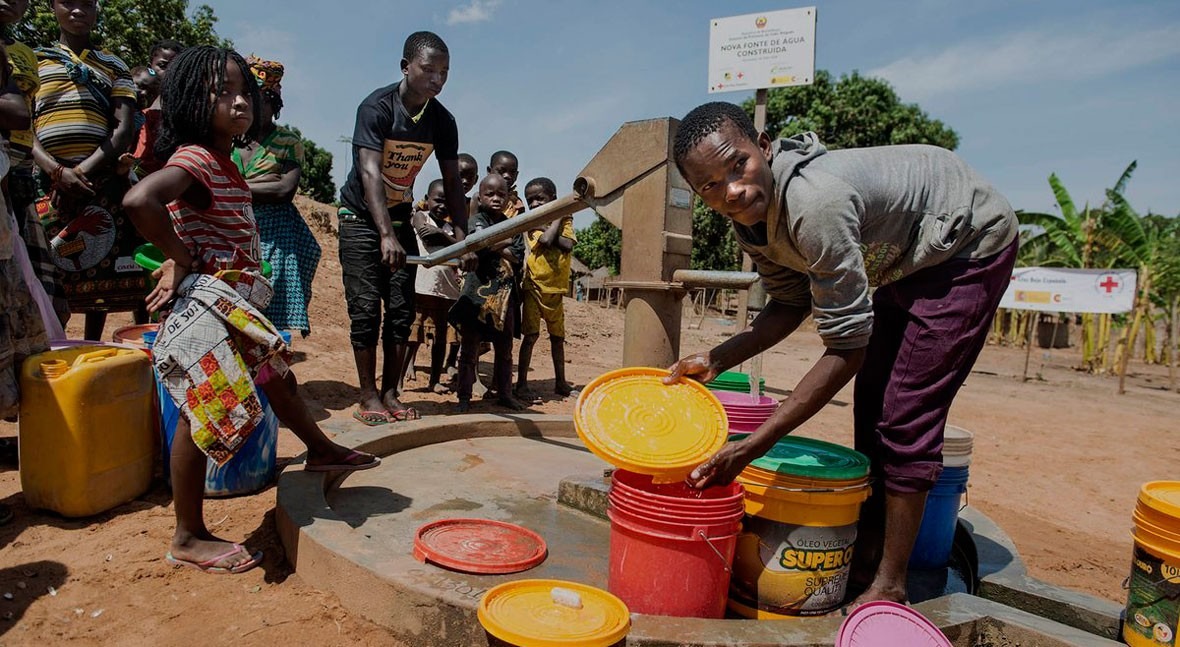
(854, 111)
(714, 246)
(129, 28)
(1084, 238)
(315, 178)
(599, 245)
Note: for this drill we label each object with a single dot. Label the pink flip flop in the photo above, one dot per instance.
(346, 466)
(207, 566)
(889, 624)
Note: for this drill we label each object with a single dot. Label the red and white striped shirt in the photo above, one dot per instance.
(225, 235)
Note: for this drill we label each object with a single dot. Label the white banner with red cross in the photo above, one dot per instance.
(1055, 289)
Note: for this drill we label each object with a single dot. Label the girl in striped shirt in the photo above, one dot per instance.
(215, 346)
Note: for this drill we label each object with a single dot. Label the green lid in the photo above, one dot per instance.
(734, 377)
(733, 388)
(812, 458)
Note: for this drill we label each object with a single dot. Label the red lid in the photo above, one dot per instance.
(479, 546)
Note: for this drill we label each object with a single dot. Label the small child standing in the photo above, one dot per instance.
(215, 348)
(546, 282)
(506, 165)
(145, 148)
(147, 86)
(468, 175)
(147, 94)
(437, 288)
(484, 309)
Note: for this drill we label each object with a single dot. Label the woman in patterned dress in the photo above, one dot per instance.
(272, 165)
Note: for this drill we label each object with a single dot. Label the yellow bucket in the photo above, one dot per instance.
(553, 613)
(795, 549)
(1153, 599)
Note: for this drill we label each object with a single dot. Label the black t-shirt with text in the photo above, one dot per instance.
(383, 124)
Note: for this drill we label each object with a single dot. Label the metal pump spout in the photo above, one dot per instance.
(634, 185)
(567, 205)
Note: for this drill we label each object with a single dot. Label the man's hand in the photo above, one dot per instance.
(168, 279)
(723, 467)
(392, 253)
(699, 367)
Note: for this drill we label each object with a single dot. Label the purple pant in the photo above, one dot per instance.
(928, 330)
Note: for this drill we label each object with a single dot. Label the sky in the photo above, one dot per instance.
(1080, 88)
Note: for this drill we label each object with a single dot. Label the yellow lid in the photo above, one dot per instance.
(553, 613)
(634, 421)
(1162, 496)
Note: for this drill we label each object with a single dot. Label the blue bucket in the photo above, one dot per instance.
(251, 469)
(932, 549)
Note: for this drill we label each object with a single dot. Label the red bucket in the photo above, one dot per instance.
(662, 573)
(677, 494)
(724, 519)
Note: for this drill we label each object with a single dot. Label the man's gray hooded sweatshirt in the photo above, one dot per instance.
(843, 221)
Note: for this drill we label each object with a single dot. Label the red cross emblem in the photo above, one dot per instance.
(1109, 284)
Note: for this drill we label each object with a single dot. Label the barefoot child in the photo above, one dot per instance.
(484, 309)
(215, 347)
(437, 288)
(936, 240)
(546, 282)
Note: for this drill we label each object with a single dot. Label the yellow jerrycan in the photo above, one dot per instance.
(87, 432)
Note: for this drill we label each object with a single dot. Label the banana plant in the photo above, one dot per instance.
(1078, 239)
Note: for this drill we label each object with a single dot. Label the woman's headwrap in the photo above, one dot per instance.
(268, 74)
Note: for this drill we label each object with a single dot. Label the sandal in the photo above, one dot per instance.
(209, 565)
(346, 465)
(403, 415)
(371, 418)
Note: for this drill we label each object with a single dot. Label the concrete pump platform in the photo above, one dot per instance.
(354, 538)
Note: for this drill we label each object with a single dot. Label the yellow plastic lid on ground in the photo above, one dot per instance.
(634, 421)
(553, 613)
(1162, 496)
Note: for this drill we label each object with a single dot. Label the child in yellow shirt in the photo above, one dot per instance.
(546, 282)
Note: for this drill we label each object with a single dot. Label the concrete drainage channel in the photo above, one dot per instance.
(354, 538)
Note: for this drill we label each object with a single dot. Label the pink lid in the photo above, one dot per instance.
(888, 624)
(743, 400)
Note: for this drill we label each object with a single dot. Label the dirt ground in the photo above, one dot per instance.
(1058, 463)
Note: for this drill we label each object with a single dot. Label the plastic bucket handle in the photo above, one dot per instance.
(699, 533)
(709, 542)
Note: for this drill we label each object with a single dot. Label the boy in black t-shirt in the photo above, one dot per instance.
(398, 127)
